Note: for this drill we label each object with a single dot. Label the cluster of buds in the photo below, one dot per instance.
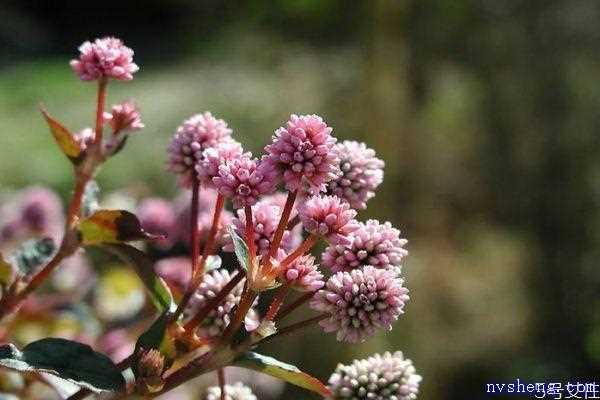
(270, 211)
(273, 232)
(325, 183)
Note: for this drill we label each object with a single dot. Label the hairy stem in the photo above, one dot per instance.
(277, 302)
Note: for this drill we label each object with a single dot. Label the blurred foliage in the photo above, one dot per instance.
(485, 112)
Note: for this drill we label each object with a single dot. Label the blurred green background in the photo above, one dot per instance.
(486, 113)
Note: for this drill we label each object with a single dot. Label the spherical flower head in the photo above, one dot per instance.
(373, 243)
(304, 152)
(328, 216)
(243, 179)
(380, 377)
(361, 172)
(360, 301)
(124, 117)
(207, 166)
(265, 218)
(104, 58)
(302, 274)
(158, 217)
(218, 319)
(237, 391)
(195, 135)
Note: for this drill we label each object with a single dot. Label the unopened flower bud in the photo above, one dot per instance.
(149, 370)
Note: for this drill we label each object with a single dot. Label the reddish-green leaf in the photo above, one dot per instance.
(283, 371)
(65, 139)
(112, 226)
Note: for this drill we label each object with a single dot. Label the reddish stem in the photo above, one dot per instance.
(293, 222)
(214, 229)
(221, 377)
(195, 244)
(285, 216)
(213, 303)
(304, 248)
(250, 233)
(243, 307)
(300, 301)
(102, 84)
(296, 327)
(277, 302)
(69, 243)
(194, 232)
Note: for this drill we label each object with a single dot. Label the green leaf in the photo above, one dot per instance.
(90, 203)
(112, 226)
(160, 294)
(241, 250)
(283, 371)
(65, 139)
(72, 361)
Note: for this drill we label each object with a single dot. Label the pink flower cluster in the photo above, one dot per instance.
(330, 217)
(105, 58)
(244, 180)
(366, 291)
(373, 243)
(303, 151)
(124, 117)
(361, 172)
(360, 301)
(197, 133)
